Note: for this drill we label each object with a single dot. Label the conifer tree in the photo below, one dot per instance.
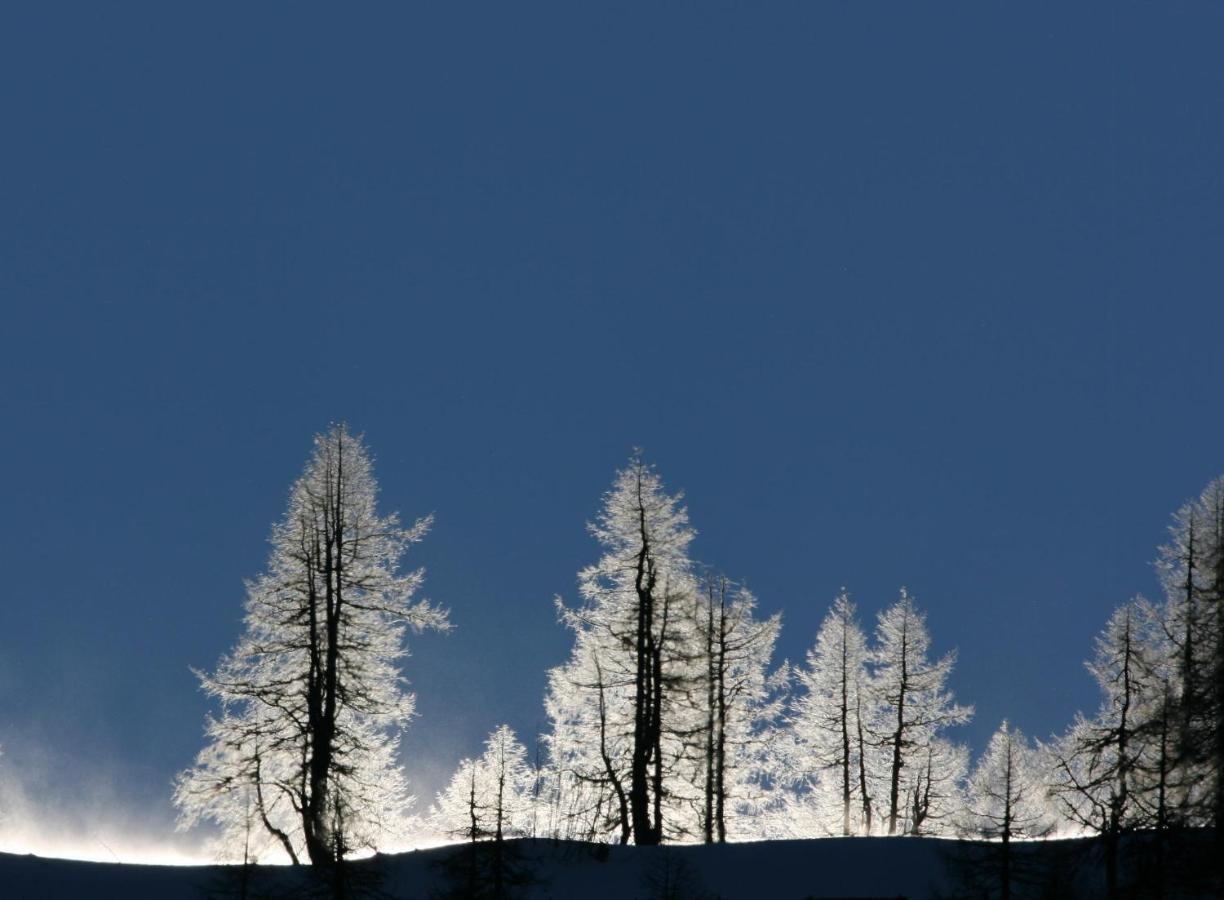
(633, 653)
(826, 718)
(1098, 765)
(738, 704)
(913, 697)
(1006, 800)
(312, 698)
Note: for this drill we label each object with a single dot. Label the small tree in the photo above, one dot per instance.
(489, 799)
(1007, 799)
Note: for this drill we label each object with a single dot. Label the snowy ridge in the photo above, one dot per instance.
(864, 867)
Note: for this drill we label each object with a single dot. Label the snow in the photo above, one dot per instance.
(833, 867)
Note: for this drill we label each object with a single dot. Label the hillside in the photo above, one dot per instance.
(836, 867)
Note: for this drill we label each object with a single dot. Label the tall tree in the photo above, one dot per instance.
(912, 692)
(1209, 743)
(741, 704)
(632, 620)
(1099, 762)
(825, 717)
(312, 698)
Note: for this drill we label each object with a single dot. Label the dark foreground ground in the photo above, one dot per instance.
(828, 868)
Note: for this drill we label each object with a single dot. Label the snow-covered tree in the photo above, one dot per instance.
(914, 702)
(1007, 799)
(490, 797)
(740, 704)
(828, 725)
(936, 788)
(1191, 566)
(1099, 764)
(312, 698)
(622, 701)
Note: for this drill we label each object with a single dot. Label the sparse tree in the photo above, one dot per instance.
(312, 699)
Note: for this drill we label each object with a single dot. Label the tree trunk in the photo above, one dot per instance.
(720, 752)
(898, 737)
(645, 728)
(845, 729)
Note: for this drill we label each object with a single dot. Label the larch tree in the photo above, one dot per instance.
(1098, 764)
(935, 787)
(1007, 799)
(739, 704)
(312, 697)
(585, 787)
(1182, 565)
(1192, 565)
(489, 797)
(826, 719)
(914, 702)
(632, 656)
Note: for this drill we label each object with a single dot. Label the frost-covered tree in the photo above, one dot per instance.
(312, 698)
(828, 727)
(1191, 566)
(914, 702)
(1099, 764)
(632, 661)
(1007, 799)
(739, 703)
(490, 797)
(585, 785)
(935, 787)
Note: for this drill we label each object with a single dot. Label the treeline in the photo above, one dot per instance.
(669, 721)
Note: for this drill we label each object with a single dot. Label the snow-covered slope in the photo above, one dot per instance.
(833, 867)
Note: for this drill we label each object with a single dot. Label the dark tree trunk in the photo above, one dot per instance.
(609, 769)
(845, 729)
(645, 725)
(720, 751)
(708, 823)
(894, 794)
(864, 793)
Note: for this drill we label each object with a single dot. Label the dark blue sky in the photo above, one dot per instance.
(925, 296)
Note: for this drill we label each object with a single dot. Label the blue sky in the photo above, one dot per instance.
(923, 296)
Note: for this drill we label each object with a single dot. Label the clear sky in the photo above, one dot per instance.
(921, 294)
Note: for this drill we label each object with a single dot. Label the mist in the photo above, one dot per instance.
(60, 803)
